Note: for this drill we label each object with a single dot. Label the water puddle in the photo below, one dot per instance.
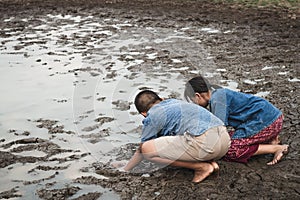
(70, 81)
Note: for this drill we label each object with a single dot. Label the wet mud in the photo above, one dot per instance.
(71, 69)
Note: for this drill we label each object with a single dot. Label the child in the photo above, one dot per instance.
(256, 122)
(180, 134)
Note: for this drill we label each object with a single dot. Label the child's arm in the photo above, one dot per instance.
(219, 106)
(135, 160)
(220, 109)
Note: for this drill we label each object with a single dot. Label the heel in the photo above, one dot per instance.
(216, 167)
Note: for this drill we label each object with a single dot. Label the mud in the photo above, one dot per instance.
(70, 70)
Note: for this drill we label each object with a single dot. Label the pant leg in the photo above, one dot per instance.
(242, 149)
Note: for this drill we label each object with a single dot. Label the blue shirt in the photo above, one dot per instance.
(246, 113)
(175, 117)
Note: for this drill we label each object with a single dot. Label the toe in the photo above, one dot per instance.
(278, 155)
(215, 166)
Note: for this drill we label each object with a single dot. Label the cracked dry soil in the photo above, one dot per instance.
(261, 37)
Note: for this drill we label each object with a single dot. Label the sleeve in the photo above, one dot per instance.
(150, 129)
(219, 106)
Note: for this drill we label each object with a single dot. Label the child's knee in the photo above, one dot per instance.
(148, 149)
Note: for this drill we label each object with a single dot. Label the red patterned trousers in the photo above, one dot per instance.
(242, 149)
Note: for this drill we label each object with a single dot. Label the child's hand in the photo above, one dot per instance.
(119, 165)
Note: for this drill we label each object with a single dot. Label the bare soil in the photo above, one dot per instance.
(264, 36)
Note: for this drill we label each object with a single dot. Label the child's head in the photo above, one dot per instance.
(145, 100)
(197, 91)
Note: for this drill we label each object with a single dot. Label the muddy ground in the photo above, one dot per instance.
(265, 38)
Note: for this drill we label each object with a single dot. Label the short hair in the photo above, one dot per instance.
(145, 99)
(196, 85)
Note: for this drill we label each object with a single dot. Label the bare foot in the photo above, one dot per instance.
(204, 171)
(276, 140)
(279, 154)
(216, 168)
(215, 165)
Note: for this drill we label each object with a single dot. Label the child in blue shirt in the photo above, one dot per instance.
(179, 134)
(256, 122)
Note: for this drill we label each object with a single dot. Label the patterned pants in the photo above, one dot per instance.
(242, 149)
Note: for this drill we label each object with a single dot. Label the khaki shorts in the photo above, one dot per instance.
(211, 145)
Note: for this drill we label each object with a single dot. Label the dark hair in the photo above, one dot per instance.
(196, 85)
(145, 99)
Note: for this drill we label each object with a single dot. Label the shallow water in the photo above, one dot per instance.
(83, 73)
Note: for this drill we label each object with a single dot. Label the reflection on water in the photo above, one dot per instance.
(80, 71)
